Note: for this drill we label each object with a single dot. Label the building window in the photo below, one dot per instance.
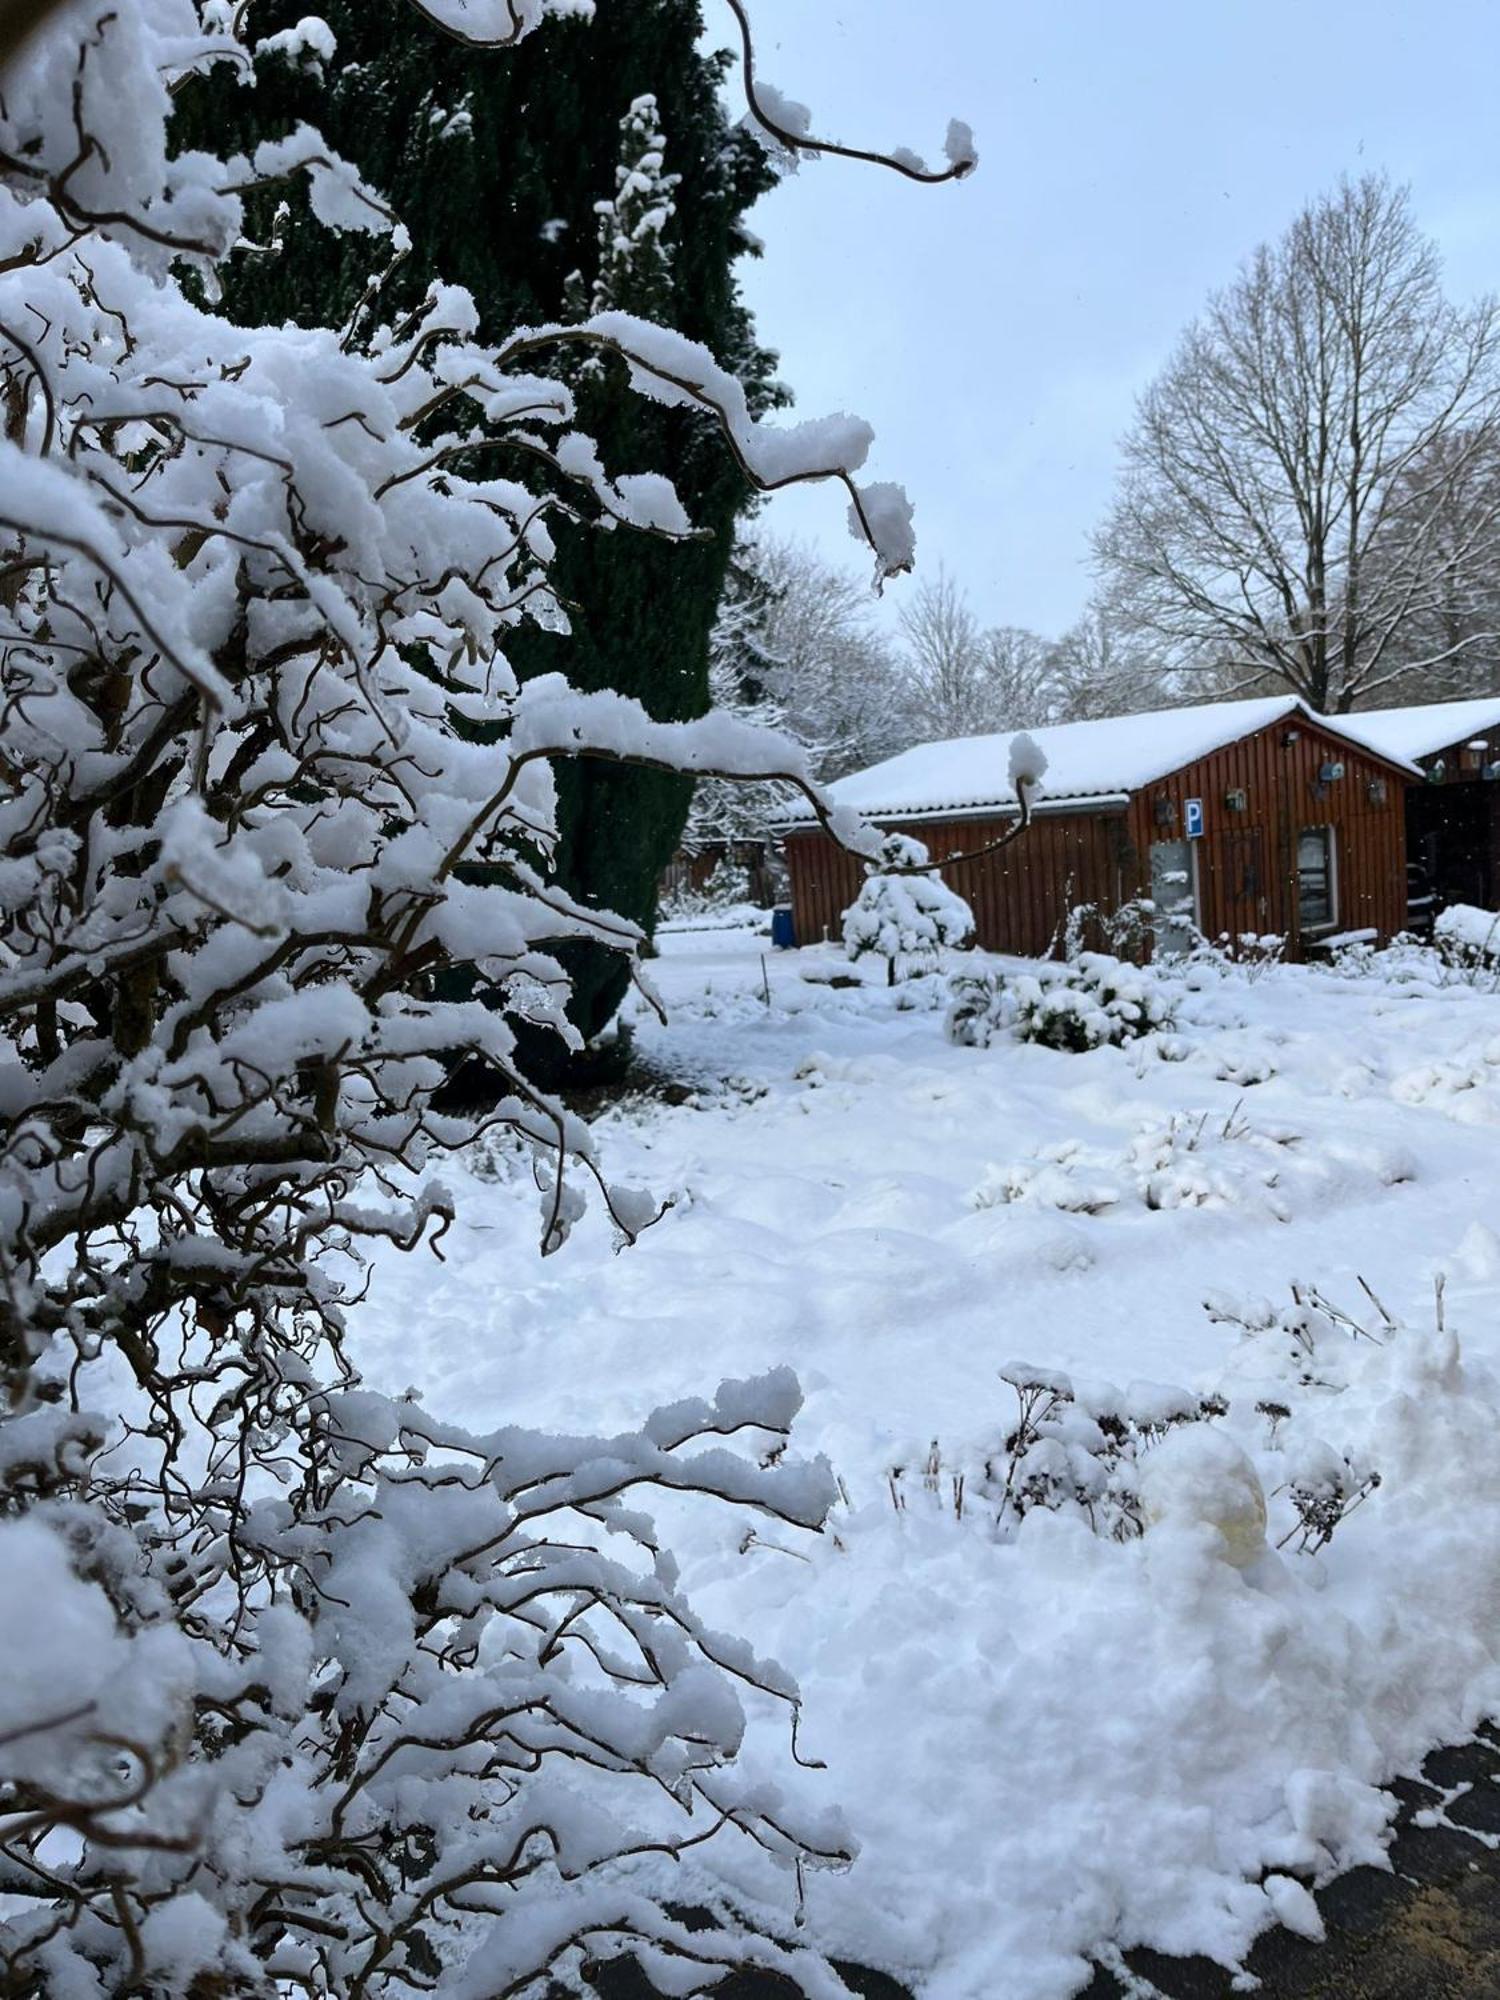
(1316, 887)
(1174, 897)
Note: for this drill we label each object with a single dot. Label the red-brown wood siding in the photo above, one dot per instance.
(1246, 860)
(1020, 896)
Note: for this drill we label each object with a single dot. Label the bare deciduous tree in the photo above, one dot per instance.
(1096, 669)
(1449, 646)
(966, 679)
(1287, 502)
(833, 673)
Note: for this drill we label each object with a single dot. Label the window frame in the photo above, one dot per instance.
(1329, 834)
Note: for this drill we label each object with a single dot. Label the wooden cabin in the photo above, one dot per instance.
(1453, 814)
(1237, 818)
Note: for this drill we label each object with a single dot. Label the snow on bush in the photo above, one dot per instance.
(1157, 1455)
(1463, 953)
(304, 1688)
(908, 918)
(1154, 1455)
(1205, 1160)
(723, 899)
(1468, 934)
(1075, 1448)
(1094, 1002)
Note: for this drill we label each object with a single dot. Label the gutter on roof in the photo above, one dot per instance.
(1081, 802)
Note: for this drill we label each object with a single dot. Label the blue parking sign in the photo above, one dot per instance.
(1193, 818)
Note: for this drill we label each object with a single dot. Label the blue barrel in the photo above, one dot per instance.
(783, 930)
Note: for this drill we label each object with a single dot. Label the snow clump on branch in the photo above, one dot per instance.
(303, 1688)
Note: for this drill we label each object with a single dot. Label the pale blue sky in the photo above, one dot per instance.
(1131, 153)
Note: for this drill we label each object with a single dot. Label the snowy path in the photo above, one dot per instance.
(1050, 1743)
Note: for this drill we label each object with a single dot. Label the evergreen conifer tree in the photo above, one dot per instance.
(545, 186)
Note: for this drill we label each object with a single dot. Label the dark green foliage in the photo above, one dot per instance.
(495, 162)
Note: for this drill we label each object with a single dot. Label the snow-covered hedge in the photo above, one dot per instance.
(1094, 1001)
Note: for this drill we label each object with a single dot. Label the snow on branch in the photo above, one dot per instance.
(317, 1679)
(498, 24)
(790, 125)
(671, 369)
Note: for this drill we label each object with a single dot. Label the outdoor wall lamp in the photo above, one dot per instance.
(1164, 812)
(1376, 790)
(1235, 801)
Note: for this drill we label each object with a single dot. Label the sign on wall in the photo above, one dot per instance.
(1193, 818)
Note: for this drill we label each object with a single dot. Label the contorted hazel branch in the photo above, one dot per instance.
(502, 23)
(789, 124)
(307, 1691)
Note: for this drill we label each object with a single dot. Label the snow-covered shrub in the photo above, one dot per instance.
(1123, 1462)
(1324, 1487)
(1301, 1359)
(726, 892)
(1311, 1341)
(1197, 1159)
(1464, 951)
(302, 1688)
(1074, 1448)
(1462, 929)
(1094, 1001)
(1128, 931)
(1247, 956)
(908, 918)
(1468, 940)
(979, 1008)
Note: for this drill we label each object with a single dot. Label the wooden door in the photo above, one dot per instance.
(1243, 884)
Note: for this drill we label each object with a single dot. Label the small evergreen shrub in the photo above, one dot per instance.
(1094, 1001)
(905, 919)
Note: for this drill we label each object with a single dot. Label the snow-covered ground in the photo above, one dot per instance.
(1051, 1739)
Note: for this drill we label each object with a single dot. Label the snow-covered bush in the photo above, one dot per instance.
(1094, 1001)
(1312, 1342)
(1247, 957)
(1464, 931)
(303, 1689)
(726, 891)
(1299, 1357)
(980, 1007)
(1468, 941)
(1198, 1159)
(1126, 932)
(1074, 1448)
(1123, 1462)
(1464, 950)
(907, 918)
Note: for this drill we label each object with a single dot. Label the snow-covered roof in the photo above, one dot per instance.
(1410, 733)
(1087, 762)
